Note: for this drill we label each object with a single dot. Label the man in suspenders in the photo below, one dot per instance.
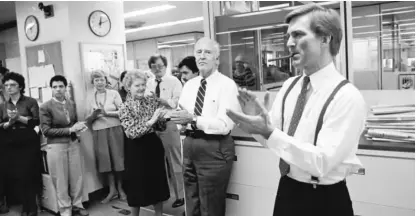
(315, 123)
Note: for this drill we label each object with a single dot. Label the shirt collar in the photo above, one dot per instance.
(21, 98)
(95, 90)
(320, 77)
(63, 102)
(211, 77)
(161, 78)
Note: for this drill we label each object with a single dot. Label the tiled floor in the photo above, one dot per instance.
(113, 208)
(98, 209)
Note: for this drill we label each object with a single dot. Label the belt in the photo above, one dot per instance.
(199, 134)
(15, 127)
(313, 184)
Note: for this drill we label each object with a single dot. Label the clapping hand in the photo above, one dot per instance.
(162, 101)
(159, 113)
(78, 127)
(13, 115)
(97, 113)
(101, 108)
(255, 118)
(181, 116)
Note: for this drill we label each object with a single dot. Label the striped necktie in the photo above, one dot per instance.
(199, 102)
(300, 106)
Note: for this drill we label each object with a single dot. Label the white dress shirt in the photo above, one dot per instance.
(221, 94)
(334, 156)
(170, 89)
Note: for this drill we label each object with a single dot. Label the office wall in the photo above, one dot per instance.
(9, 44)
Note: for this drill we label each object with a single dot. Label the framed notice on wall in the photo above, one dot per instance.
(106, 57)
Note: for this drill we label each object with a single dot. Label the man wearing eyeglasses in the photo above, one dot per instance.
(168, 89)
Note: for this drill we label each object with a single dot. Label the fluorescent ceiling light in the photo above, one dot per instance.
(170, 46)
(166, 24)
(247, 38)
(159, 8)
(253, 29)
(364, 26)
(239, 44)
(256, 13)
(322, 4)
(274, 7)
(384, 14)
(175, 41)
(278, 33)
(392, 9)
(401, 20)
(407, 24)
(273, 37)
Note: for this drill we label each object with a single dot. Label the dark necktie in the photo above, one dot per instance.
(300, 105)
(158, 87)
(199, 102)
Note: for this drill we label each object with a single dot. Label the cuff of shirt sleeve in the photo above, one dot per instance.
(278, 140)
(200, 122)
(172, 104)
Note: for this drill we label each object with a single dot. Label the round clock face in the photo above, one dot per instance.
(99, 23)
(32, 28)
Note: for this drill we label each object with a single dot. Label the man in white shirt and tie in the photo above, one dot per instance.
(208, 148)
(315, 123)
(168, 89)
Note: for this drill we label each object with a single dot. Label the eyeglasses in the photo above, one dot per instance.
(159, 66)
(10, 85)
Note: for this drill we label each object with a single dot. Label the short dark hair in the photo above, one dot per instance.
(153, 59)
(16, 77)
(58, 78)
(190, 63)
(324, 22)
(3, 70)
(122, 75)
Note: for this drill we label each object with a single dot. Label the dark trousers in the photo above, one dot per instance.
(207, 167)
(296, 198)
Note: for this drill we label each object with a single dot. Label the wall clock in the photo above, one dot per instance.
(99, 23)
(31, 28)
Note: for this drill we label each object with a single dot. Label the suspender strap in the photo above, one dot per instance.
(285, 96)
(321, 116)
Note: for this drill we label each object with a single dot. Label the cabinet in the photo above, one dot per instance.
(255, 166)
(369, 209)
(387, 181)
(244, 200)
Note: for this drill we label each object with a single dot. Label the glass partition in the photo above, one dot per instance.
(383, 45)
(252, 43)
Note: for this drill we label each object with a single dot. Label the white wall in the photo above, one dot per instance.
(70, 27)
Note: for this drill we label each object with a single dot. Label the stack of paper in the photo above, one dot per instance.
(392, 124)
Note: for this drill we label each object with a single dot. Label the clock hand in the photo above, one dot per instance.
(100, 22)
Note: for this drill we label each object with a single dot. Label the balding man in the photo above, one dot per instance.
(243, 75)
(208, 148)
